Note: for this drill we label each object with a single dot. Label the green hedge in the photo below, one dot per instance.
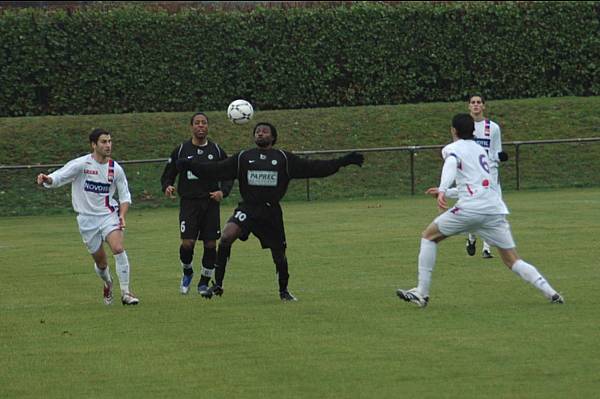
(131, 59)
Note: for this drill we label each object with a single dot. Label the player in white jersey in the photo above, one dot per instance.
(94, 180)
(487, 134)
(479, 209)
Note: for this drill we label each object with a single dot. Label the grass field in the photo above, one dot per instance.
(486, 334)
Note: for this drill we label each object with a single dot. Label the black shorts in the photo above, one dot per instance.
(199, 219)
(264, 221)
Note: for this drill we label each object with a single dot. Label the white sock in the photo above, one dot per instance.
(104, 274)
(530, 274)
(486, 246)
(122, 266)
(427, 256)
(471, 237)
(207, 272)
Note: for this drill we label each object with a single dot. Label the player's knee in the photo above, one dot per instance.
(117, 249)
(210, 244)
(227, 239)
(188, 244)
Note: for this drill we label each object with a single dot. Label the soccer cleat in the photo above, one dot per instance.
(413, 296)
(108, 295)
(186, 280)
(471, 247)
(486, 254)
(129, 299)
(203, 290)
(286, 296)
(209, 292)
(557, 298)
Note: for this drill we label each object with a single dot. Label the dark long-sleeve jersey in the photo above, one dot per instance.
(264, 175)
(190, 186)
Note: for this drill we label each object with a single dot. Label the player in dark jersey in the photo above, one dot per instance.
(199, 211)
(263, 175)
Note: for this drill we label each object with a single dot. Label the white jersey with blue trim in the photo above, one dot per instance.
(487, 134)
(93, 185)
(467, 163)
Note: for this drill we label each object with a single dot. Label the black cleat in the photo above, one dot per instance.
(209, 292)
(557, 298)
(471, 249)
(486, 254)
(286, 296)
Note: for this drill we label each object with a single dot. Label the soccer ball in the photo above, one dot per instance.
(240, 112)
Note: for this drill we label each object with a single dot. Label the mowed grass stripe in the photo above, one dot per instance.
(485, 333)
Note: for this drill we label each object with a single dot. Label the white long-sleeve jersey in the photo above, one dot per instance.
(93, 185)
(467, 163)
(487, 134)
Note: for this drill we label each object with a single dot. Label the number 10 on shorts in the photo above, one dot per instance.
(241, 216)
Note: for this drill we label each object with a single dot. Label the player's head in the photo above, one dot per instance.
(463, 126)
(96, 133)
(199, 126)
(476, 104)
(195, 115)
(264, 134)
(101, 142)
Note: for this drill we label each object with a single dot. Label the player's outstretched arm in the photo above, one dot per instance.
(301, 168)
(353, 158)
(222, 170)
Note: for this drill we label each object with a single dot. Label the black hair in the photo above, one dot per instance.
(464, 125)
(273, 130)
(195, 115)
(476, 95)
(96, 133)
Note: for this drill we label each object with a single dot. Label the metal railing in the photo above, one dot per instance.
(412, 150)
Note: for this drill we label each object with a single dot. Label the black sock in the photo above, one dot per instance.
(186, 256)
(221, 263)
(282, 274)
(208, 262)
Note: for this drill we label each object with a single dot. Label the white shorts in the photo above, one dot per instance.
(95, 229)
(494, 229)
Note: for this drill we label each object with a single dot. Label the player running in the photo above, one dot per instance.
(263, 175)
(95, 178)
(479, 209)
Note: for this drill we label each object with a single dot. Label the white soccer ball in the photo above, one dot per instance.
(240, 112)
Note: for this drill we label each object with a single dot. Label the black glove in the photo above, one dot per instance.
(182, 164)
(354, 158)
(502, 156)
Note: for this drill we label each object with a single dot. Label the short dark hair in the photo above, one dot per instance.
(195, 115)
(273, 130)
(476, 95)
(96, 133)
(464, 125)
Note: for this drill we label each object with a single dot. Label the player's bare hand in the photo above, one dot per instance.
(433, 191)
(42, 178)
(122, 223)
(216, 195)
(170, 192)
(441, 201)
